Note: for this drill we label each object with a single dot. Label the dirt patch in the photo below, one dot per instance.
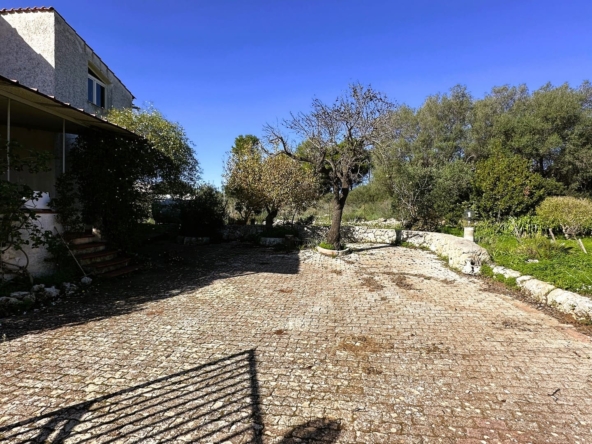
(492, 286)
(337, 272)
(435, 348)
(279, 332)
(359, 345)
(401, 281)
(372, 284)
(155, 312)
(285, 290)
(368, 370)
(509, 323)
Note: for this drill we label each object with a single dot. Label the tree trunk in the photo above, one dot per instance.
(334, 234)
(271, 215)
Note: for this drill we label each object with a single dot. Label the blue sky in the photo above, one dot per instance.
(223, 68)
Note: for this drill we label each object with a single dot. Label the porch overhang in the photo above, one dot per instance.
(30, 108)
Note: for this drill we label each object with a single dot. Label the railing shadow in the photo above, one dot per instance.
(214, 402)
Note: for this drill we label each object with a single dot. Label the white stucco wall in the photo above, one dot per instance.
(73, 57)
(27, 49)
(41, 50)
(38, 266)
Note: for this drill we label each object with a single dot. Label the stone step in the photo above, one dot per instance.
(121, 271)
(79, 238)
(99, 256)
(108, 265)
(91, 247)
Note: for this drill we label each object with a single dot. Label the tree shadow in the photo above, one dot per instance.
(213, 402)
(374, 247)
(320, 430)
(169, 270)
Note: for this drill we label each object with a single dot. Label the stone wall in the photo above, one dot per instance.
(462, 254)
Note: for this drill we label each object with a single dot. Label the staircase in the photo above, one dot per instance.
(96, 257)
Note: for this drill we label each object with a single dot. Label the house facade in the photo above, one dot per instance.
(41, 50)
(52, 87)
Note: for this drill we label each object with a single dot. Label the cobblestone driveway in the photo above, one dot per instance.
(248, 345)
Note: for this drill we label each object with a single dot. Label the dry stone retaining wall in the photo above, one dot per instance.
(462, 254)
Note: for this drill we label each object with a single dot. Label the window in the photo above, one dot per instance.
(96, 90)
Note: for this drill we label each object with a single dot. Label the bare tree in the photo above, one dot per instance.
(335, 140)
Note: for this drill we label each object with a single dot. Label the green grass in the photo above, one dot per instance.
(326, 245)
(562, 263)
(455, 231)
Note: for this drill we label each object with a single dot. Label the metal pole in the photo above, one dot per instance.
(8, 143)
(63, 145)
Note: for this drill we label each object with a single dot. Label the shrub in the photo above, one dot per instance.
(572, 215)
(203, 215)
(505, 186)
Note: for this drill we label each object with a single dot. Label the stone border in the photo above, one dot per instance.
(580, 307)
(462, 254)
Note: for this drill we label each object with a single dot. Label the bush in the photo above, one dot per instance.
(166, 212)
(505, 186)
(572, 215)
(203, 215)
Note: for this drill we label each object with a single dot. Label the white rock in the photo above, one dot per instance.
(86, 280)
(52, 292)
(38, 288)
(506, 272)
(569, 302)
(538, 289)
(19, 294)
(522, 279)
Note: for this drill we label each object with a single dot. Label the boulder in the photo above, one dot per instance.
(506, 272)
(19, 294)
(569, 302)
(538, 289)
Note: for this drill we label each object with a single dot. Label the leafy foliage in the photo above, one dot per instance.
(115, 180)
(505, 186)
(421, 159)
(67, 204)
(18, 224)
(203, 213)
(271, 182)
(562, 264)
(573, 215)
(335, 141)
(170, 139)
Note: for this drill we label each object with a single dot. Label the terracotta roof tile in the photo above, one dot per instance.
(33, 9)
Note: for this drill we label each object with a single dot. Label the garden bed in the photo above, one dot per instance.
(561, 263)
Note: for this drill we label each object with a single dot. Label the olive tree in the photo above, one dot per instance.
(335, 141)
(267, 181)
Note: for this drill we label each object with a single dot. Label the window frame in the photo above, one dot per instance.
(96, 82)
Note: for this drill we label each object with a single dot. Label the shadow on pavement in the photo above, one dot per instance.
(215, 402)
(170, 270)
(318, 430)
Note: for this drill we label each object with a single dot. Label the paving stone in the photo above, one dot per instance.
(385, 345)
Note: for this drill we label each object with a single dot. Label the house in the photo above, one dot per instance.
(52, 86)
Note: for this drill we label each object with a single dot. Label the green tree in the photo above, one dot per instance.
(335, 141)
(263, 181)
(421, 159)
(504, 185)
(167, 137)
